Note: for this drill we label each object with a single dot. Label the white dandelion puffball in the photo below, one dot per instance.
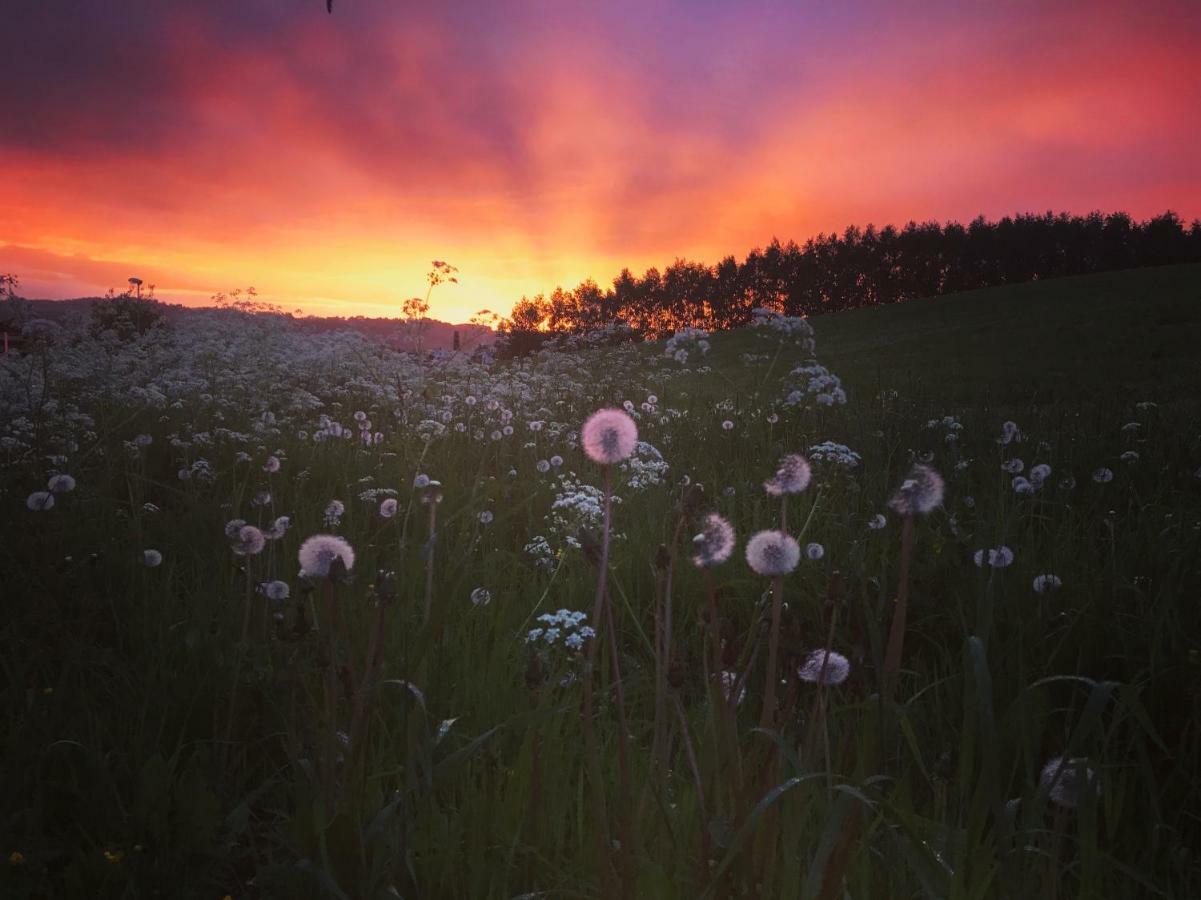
(486, 517)
(543, 466)
(421, 481)
(1040, 473)
(40, 501)
(772, 553)
(997, 557)
(277, 590)
(335, 509)
(1009, 433)
(715, 543)
(60, 484)
(151, 559)
(791, 477)
(815, 551)
(1103, 475)
(1066, 779)
(318, 553)
(387, 507)
(920, 493)
(824, 667)
(727, 425)
(481, 597)
(1045, 584)
(1013, 466)
(272, 464)
(250, 541)
(609, 436)
(876, 522)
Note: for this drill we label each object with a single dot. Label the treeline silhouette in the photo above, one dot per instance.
(860, 267)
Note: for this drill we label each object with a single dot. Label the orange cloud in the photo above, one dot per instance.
(327, 161)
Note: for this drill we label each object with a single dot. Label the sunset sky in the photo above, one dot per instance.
(326, 160)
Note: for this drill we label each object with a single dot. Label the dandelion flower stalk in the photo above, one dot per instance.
(920, 494)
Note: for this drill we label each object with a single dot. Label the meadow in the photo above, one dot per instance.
(434, 709)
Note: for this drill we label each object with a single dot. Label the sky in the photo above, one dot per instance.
(328, 159)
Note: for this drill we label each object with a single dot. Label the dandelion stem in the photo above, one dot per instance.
(896, 636)
(773, 650)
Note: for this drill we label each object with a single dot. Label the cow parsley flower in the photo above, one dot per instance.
(318, 553)
(920, 493)
(715, 543)
(792, 476)
(609, 436)
(824, 667)
(333, 512)
(772, 553)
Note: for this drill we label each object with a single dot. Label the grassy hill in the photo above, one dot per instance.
(1135, 332)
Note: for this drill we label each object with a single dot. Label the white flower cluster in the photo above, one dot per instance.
(565, 628)
(645, 468)
(685, 343)
(780, 326)
(831, 452)
(813, 383)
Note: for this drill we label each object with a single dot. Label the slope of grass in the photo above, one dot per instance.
(171, 732)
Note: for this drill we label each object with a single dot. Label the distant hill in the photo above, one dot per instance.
(394, 332)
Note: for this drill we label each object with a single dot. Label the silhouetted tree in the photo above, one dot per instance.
(860, 267)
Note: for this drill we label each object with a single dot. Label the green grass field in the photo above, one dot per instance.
(172, 731)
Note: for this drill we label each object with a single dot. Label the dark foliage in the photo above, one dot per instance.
(860, 267)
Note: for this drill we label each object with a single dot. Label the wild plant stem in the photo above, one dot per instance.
(429, 563)
(767, 719)
(896, 636)
(604, 859)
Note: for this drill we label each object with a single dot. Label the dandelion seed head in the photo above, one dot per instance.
(486, 517)
(715, 543)
(272, 464)
(792, 476)
(151, 559)
(920, 493)
(772, 553)
(388, 507)
(543, 466)
(1067, 779)
(277, 590)
(481, 597)
(421, 481)
(60, 484)
(318, 553)
(1103, 475)
(1047, 583)
(876, 522)
(814, 551)
(40, 501)
(727, 425)
(609, 436)
(824, 667)
(250, 541)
